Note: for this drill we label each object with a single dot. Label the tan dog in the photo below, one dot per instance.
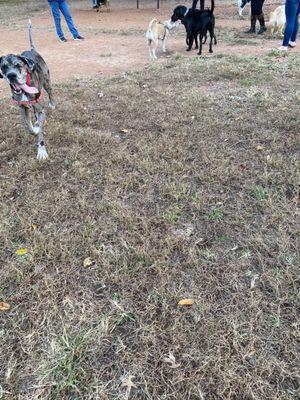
(278, 20)
(156, 32)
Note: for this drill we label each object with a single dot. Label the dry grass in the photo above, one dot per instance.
(199, 199)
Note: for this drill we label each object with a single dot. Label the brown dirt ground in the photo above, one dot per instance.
(115, 40)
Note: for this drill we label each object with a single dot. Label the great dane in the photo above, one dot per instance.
(27, 75)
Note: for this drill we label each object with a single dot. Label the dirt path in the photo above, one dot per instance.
(114, 42)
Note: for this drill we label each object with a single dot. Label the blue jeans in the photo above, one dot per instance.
(58, 6)
(94, 2)
(292, 10)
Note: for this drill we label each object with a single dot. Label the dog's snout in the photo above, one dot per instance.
(11, 75)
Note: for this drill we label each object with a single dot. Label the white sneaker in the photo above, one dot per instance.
(282, 48)
(292, 44)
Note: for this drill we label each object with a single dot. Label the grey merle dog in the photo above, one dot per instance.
(27, 75)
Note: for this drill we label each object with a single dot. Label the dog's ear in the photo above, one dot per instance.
(30, 64)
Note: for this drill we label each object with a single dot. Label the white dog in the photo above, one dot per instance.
(241, 6)
(158, 31)
(278, 20)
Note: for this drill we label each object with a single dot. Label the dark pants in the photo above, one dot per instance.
(256, 7)
(292, 10)
(194, 5)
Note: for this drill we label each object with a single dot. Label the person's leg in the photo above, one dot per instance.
(253, 17)
(63, 6)
(56, 15)
(296, 27)
(291, 8)
(260, 17)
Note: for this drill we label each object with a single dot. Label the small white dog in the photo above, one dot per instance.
(158, 31)
(278, 20)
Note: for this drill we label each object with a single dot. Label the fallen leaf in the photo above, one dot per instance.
(171, 361)
(4, 306)
(22, 251)
(259, 148)
(186, 302)
(88, 262)
(34, 227)
(124, 130)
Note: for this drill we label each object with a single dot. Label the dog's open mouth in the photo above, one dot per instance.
(18, 88)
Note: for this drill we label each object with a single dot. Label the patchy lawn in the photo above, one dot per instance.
(180, 181)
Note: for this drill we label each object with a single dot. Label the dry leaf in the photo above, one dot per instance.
(22, 251)
(186, 302)
(4, 306)
(171, 361)
(124, 130)
(88, 262)
(34, 227)
(259, 148)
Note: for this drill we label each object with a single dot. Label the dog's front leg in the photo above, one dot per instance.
(42, 153)
(200, 44)
(33, 130)
(164, 49)
(190, 40)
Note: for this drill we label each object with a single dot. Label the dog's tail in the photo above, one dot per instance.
(149, 33)
(32, 46)
(212, 6)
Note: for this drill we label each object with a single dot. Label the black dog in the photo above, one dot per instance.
(196, 23)
(101, 3)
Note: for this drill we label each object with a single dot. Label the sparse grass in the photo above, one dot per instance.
(73, 332)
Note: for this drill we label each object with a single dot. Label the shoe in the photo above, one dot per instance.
(262, 30)
(62, 39)
(79, 38)
(253, 23)
(261, 20)
(292, 44)
(282, 48)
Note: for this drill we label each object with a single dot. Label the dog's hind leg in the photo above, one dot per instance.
(282, 30)
(33, 130)
(211, 40)
(48, 87)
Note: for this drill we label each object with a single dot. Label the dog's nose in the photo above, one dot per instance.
(11, 75)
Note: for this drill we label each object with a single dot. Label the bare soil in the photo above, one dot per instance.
(115, 41)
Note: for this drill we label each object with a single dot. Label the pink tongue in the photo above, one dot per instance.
(29, 89)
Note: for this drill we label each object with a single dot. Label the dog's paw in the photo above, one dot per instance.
(42, 153)
(36, 129)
